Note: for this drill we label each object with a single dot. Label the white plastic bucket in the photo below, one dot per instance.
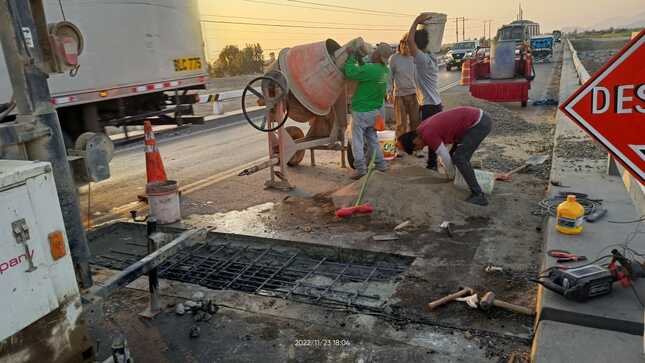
(163, 199)
(486, 180)
(435, 27)
(387, 140)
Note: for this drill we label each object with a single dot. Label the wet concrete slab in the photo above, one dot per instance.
(254, 328)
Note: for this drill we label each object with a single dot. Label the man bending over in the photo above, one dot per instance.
(462, 127)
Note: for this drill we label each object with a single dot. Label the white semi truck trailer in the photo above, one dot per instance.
(136, 54)
(139, 60)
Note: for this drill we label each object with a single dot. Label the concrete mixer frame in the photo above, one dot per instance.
(283, 148)
(317, 94)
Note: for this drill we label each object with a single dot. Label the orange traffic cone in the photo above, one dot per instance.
(154, 164)
(465, 73)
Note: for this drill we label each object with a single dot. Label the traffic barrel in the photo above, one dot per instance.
(154, 165)
(465, 72)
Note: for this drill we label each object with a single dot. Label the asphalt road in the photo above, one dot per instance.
(191, 156)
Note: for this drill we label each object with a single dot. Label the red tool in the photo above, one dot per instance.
(359, 208)
(565, 256)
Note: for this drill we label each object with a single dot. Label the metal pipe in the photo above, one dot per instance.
(153, 276)
(21, 47)
(146, 264)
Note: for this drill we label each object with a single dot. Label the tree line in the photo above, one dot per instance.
(233, 61)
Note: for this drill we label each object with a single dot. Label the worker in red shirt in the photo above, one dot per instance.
(462, 127)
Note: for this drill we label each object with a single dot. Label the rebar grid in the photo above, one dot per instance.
(269, 271)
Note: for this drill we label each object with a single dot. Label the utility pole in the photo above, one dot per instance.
(463, 28)
(457, 30)
(22, 29)
(484, 36)
(490, 25)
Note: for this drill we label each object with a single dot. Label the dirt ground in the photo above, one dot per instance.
(506, 235)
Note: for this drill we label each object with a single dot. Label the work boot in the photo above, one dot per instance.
(357, 175)
(478, 199)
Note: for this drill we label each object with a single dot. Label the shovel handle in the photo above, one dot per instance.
(514, 308)
(446, 299)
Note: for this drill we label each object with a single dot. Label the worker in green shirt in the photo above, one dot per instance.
(367, 104)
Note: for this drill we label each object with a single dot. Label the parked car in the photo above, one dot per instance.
(557, 36)
(455, 56)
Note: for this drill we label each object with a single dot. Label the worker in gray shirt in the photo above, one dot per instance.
(404, 89)
(427, 70)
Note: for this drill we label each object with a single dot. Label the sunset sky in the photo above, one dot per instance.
(379, 20)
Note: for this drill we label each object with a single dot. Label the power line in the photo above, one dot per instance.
(323, 7)
(294, 20)
(296, 26)
(309, 7)
(351, 8)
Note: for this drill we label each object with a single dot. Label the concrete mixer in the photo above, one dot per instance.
(305, 84)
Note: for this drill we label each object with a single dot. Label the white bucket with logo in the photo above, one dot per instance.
(387, 140)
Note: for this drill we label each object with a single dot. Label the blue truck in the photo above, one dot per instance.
(542, 48)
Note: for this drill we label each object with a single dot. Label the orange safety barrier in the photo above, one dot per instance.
(154, 165)
(465, 72)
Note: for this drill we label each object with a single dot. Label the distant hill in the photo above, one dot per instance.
(632, 21)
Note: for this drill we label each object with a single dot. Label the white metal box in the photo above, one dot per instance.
(33, 282)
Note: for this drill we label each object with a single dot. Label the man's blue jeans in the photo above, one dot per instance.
(363, 130)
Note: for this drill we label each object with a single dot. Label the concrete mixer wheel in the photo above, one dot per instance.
(276, 80)
(295, 133)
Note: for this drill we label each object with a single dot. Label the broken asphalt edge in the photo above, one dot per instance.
(612, 317)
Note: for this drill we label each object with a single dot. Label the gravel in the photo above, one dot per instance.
(505, 121)
(579, 149)
(593, 60)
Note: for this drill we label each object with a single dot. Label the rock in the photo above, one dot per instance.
(195, 331)
(211, 308)
(402, 225)
(199, 316)
(198, 296)
(207, 317)
(180, 309)
(190, 304)
(468, 335)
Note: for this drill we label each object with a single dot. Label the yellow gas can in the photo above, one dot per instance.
(570, 215)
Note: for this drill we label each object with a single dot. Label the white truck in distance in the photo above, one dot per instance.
(134, 53)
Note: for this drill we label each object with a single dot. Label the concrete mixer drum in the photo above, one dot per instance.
(269, 91)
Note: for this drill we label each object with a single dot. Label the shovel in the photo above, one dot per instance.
(533, 160)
